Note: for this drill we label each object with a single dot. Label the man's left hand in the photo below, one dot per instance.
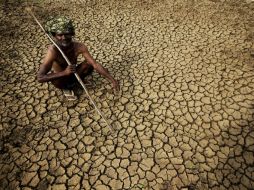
(115, 85)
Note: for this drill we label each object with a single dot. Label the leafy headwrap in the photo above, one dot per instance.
(59, 25)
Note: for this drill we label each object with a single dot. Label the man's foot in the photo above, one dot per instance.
(69, 94)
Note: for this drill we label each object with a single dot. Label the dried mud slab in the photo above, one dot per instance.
(183, 118)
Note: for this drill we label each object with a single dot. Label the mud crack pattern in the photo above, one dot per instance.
(183, 118)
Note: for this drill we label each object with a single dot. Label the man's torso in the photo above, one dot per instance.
(71, 53)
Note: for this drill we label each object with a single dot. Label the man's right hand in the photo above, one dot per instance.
(70, 69)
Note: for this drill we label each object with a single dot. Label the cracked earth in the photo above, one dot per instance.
(183, 118)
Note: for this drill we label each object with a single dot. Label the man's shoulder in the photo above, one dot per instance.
(80, 46)
(52, 51)
(51, 48)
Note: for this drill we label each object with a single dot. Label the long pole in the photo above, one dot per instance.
(29, 10)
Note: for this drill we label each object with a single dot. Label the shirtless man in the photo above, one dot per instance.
(55, 69)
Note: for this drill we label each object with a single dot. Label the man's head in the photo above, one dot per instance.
(62, 29)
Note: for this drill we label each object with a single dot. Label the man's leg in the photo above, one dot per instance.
(84, 70)
(64, 82)
(66, 85)
(67, 82)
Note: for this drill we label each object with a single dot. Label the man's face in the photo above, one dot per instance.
(64, 39)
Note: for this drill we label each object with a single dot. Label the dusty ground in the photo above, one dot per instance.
(184, 116)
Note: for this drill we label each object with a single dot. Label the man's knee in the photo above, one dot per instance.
(90, 69)
(86, 69)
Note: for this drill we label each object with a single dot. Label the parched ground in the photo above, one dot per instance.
(184, 117)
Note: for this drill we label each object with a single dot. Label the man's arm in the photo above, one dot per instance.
(99, 68)
(44, 76)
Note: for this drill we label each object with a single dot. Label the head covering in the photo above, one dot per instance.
(59, 25)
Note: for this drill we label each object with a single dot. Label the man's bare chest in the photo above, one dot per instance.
(72, 57)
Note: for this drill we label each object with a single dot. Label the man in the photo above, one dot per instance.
(54, 67)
